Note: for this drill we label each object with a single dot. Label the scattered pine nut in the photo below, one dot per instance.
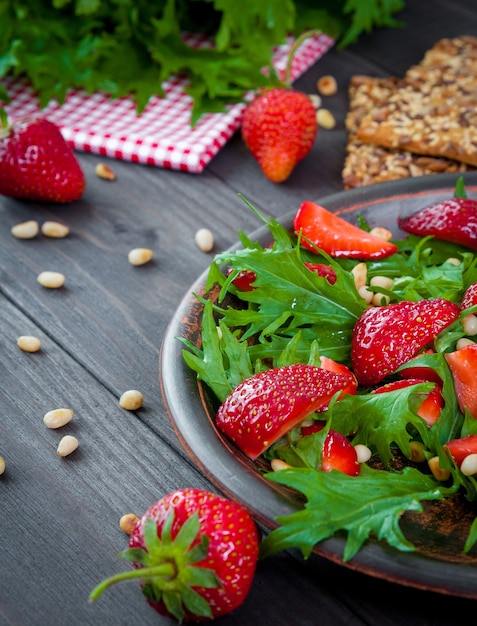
(51, 280)
(2, 465)
(278, 464)
(131, 400)
(360, 272)
(128, 522)
(55, 230)
(67, 445)
(380, 299)
(469, 324)
(438, 473)
(362, 452)
(453, 261)
(57, 418)
(204, 239)
(469, 465)
(463, 342)
(325, 119)
(28, 343)
(382, 281)
(105, 172)
(26, 230)
(315, 100)
(366, 294)
(140, 256)
(327, 85)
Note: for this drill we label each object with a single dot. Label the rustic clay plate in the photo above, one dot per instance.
(438, 533)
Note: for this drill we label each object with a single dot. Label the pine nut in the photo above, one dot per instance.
(2, 465)
(469, 324)
(204, 239)
(360, 272)
(381, 233)
(140, 256)
(469, 465)
(362, 452)
(131, 400)
(67, 445)
(381, 281)
(104, 171)
(463, 342)
(325, 119)
(366, 294)
(57, 418)
(380, 299)
(55, 230)
(315, 100)
(51, 280)
(327, 85)
(128, 522)
(453, 261)
(278, 464)
(417, 452)
(439, 474)
(28, 343)
(25, 230)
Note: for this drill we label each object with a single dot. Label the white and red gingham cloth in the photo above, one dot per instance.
(161, 135)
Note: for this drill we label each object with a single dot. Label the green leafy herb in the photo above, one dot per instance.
(130, 47)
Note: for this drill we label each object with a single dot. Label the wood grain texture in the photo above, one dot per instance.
(101, 334)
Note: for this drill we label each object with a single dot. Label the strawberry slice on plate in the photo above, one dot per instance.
(388, 336)
(265, 406)
(337, 453)
(431, 405)
(463, 366)
(332, 234)
(452, 220)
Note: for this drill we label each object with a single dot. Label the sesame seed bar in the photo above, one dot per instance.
(365, 163)
(434, 110)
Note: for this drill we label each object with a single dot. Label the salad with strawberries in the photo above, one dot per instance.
(345, 361)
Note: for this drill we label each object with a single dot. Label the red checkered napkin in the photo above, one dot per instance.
(161, 135)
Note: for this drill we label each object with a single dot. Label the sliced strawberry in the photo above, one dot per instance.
(432, 402)
(388, 336)
(463, 366)
(265, 406)
(450, 220)
(461, 448)
(326, 271)
(244, 280)
(470, 297)
(337, 453)
(422, 372)
(338, 238)
(340, 368)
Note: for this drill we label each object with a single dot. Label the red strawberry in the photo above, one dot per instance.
(279, 127)
(340, 368)
(36, 163)
(326, 271)
(265, 406)
(470, 297)
(422, 372)
(337, 453)
(388, 336)
(338, 238)
(195, 553)
(463, 366)
(431, 405)
(461, 448)
(450, 220)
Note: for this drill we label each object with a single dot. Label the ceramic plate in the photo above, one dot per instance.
(437, 564)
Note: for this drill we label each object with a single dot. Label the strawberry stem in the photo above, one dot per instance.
(164, 570)
(296, 44)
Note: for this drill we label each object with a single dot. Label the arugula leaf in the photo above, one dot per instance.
(370, 504)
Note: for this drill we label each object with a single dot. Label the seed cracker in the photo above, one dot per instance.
(366, 164)
(434, 110)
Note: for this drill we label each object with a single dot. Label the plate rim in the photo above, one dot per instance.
(219, 462)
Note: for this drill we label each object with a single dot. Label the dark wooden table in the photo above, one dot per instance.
(101, 335)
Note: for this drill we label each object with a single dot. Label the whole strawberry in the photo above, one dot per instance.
(36, 163)
(195, 553)
(279, 128)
